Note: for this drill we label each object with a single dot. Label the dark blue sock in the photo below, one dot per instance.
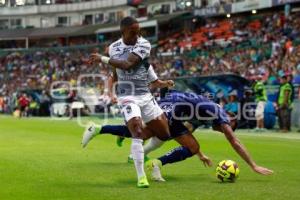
(119, 130)
(176, 155)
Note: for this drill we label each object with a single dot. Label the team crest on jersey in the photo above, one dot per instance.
(129, 72)
(142, 51)
(128, 109)
(167, 107)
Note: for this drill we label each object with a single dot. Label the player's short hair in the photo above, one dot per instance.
(127, 21)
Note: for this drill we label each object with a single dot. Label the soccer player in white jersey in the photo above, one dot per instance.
(129, 58)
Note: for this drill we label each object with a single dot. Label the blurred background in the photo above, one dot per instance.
(233, 50)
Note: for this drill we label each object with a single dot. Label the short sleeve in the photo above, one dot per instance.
(142, 49)
(151, 74)
(109, 51)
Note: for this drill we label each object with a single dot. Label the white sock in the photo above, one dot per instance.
(154, 143)
(137, 152)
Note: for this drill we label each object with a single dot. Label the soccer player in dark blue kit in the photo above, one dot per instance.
(185, 113)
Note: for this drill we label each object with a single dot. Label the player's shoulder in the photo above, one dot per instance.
(116, 44)
(115, 47)
(143, 41)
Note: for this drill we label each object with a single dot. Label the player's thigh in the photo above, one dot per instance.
(188, 141)
(150, 110)
(133, 118)
(155, 119)
(137, 130)
(132, 115)
(160, 128)
(130, 111)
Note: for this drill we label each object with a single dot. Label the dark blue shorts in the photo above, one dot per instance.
(177, 129)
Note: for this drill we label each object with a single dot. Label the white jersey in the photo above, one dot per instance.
(135, 81)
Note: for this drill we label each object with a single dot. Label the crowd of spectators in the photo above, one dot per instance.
(265, 46)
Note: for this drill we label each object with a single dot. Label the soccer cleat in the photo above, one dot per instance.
(89, 133)
(154, 167)
(120, 141)
(143, 182)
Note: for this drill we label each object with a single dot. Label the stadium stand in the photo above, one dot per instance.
(267, 44)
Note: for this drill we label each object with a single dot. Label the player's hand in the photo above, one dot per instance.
(170, 83)
(95, 58)
(206, 161)
(262, 170)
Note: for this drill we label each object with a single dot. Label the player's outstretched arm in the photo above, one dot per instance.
(132, 61)
(162, 84)
(112, 79)
(242, 151)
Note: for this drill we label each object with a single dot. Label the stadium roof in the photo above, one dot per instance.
(36, 33)
(50, 32)
(117, 27)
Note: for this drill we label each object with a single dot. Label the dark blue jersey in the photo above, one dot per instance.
(196, 109)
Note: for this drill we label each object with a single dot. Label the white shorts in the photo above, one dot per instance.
(143, 106)
(260, 109)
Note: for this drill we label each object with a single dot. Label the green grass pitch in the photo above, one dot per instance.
(42, 159)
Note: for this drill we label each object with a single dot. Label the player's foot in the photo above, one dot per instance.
(143, 182)
(89, 133)
(154, 167)
(120, 141)
(130, 159)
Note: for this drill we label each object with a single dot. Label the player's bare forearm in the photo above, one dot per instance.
(237, 145)
(131, 62)
(112, 79)
(110, 85)
(242, 151)
(162, 84)
(120, 64)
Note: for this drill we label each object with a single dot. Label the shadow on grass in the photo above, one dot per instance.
(243, 181)
(187, 178)
(122, 183)
(102, 165)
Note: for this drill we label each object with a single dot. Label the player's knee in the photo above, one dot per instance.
(137, 132)
(135, 127)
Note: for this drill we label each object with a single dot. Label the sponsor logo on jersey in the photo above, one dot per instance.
(117, 44)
